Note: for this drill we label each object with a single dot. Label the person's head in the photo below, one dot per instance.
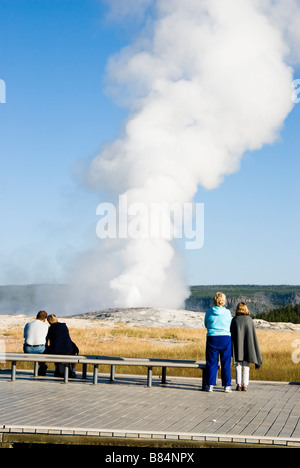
(219, 299)
(41, 315)
(242, 309)
(52, 319)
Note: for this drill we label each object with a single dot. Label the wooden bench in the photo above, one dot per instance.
(144, 362)
(97, 361)
(36, 358)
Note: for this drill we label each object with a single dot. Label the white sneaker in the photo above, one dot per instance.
(227, 389)
(209, 388)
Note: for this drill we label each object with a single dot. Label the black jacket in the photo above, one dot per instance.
(60, 341)
(244, 340)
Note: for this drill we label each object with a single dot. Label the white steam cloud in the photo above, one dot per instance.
(204, 82)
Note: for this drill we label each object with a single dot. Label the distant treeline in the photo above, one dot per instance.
(259, 298)
(237, 290)
(287, 313)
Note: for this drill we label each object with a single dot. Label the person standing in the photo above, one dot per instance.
(218, 342)
(35, 333)
(245, 347)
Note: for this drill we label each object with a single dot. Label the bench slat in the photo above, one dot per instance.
(32, 357)
(143, 362)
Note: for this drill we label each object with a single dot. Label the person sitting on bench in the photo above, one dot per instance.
(59, 342)
(35, 333)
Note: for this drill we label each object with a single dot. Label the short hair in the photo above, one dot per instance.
(242, 309)
(41, 315)
(220, 299)
(52, 319)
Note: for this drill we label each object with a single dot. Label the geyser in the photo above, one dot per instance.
(204, 82)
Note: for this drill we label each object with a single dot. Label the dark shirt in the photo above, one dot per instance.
(59, 340)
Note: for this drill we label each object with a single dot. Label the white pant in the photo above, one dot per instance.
(242, 373)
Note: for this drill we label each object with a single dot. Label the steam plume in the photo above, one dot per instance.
(204, 82)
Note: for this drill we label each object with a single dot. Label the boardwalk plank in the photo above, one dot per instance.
(178, 410)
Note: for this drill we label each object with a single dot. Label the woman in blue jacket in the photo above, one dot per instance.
(218, 342)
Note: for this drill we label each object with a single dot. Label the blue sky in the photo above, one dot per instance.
(53, 56)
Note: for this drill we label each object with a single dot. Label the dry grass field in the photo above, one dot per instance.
(171, 343)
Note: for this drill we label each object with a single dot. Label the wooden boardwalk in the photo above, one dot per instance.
(267, 414)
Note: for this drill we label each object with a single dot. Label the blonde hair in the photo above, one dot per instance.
(220, 299)
(242, 309)
(52, 319)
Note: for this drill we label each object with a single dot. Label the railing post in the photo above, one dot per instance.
(13, 370)
(36, 369)
(95, 376)
(112, 372)
(164, 375)
(66, 373)
(149, 378)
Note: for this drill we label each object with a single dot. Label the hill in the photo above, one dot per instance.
(259, 298)
(28, 299)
